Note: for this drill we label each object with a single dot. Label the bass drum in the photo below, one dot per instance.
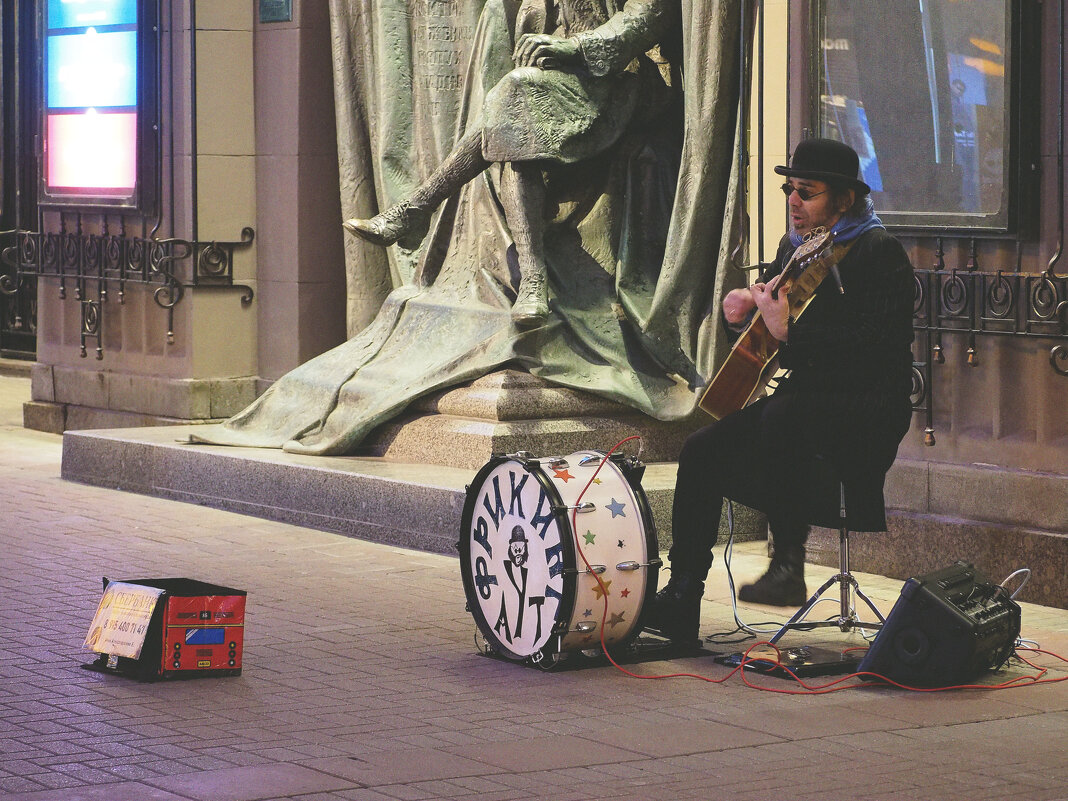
(531, 593)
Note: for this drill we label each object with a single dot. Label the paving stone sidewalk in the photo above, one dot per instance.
(362, 681)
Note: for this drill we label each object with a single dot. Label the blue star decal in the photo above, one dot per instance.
(587, 613)
(616, 508)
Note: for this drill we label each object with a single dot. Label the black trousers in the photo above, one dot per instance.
(783, 455)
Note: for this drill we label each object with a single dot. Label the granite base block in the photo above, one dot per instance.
(41, 416)
(382, 500)
(510, 411)
(469, 443)
(918, 544)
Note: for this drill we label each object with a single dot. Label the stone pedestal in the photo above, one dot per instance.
(510, 411)
(407, 487)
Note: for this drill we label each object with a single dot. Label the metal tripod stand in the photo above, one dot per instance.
(847, 619)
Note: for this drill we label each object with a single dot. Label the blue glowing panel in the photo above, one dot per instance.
(205, 636)
(92, 70)
(90, 13)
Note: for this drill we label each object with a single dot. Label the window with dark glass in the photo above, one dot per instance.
(928, 93)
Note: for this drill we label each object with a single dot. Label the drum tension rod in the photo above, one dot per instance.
(622, 566)
(632, 565)
(574, 571)
(588, 506)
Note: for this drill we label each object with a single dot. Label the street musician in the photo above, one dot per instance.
(845, 402)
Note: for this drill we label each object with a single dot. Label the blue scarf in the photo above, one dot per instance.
(849, 228)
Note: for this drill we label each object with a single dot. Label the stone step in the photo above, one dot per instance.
(420, 505)
(378, 499)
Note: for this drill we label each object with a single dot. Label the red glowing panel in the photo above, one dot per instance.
(92, 151)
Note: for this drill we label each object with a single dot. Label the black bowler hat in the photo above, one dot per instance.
(826, 160)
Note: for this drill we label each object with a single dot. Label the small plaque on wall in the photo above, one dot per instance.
(276, 10)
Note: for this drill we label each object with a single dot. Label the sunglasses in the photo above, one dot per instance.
(788, 189)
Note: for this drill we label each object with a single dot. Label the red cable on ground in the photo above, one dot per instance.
(836, 685)
(604, 589)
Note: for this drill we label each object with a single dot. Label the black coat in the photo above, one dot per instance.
(847, 398)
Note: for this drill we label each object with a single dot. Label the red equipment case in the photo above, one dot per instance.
(197, 629)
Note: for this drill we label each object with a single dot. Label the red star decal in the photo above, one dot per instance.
(625, 593)
(563, 475)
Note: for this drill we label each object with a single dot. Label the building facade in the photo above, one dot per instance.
(208, 260)
(217, 221)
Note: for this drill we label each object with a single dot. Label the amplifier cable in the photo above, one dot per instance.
(846, 682)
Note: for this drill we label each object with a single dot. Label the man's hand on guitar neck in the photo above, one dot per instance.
(774, 307)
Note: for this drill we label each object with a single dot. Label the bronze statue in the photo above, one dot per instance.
(577, 154)
(580, 79)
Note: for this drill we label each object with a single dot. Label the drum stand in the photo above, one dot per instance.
(847, 619)
(806, 660)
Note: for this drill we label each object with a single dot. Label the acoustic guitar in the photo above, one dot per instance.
(751, 365)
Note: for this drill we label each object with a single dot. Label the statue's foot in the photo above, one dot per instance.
(531, 305)
(402, 224)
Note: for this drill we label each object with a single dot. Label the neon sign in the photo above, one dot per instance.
(91, 98)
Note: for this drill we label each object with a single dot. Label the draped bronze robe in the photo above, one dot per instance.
(637, 246)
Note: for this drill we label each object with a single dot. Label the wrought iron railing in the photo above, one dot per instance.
(98, 267)
(973, 304)
(18, 318)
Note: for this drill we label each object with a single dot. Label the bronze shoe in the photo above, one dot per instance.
(402, 224)
(531, 305)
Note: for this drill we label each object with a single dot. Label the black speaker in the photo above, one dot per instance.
(947, 628)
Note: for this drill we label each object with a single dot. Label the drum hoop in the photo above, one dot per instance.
(570, 577)
(631, 474)
(652, 544)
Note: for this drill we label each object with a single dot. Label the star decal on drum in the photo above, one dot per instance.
(563, 475)
(601, 590)
(587, 613)
(597, 481)
(616, 508)
(589, 536)
(621, 545)
(625, 593)
(616, 619)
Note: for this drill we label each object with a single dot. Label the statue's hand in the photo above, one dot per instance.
(545, 51)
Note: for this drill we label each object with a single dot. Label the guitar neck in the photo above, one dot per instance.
(804, 286)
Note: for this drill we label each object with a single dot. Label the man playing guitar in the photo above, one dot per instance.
(840, 413)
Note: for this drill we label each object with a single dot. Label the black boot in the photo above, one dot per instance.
(783, 584)
(675, 612)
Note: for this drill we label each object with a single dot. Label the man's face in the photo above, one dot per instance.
(517, 551)
(819, 210)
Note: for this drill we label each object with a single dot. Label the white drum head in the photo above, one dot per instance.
(534, 586)
(514, 558)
